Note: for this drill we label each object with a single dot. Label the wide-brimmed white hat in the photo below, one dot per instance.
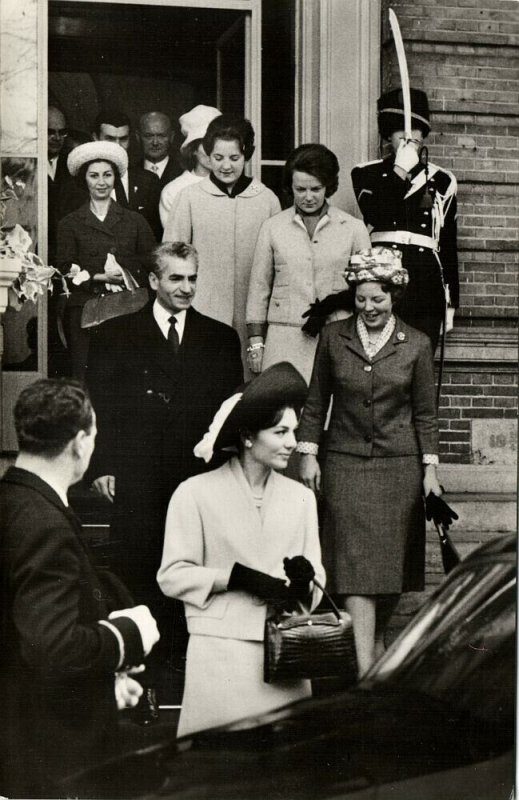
(98, 151)
(193, 124)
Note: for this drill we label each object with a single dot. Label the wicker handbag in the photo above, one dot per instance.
(305, 645)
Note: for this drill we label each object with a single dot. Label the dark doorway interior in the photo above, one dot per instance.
(136, 58)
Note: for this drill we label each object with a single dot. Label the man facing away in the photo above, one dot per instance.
(71, 634)
(157, 378)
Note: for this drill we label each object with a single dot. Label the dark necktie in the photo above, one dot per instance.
(174, 341)
(120, 194)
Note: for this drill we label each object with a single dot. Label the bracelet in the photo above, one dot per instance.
(258, 346)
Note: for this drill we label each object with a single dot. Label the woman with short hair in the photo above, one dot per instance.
(233, 537)
(299, 258)
(221, 216)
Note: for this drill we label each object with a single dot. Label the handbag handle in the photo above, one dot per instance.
(328, 597)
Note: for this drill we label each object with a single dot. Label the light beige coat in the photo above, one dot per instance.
(212, 522)
(224, 230)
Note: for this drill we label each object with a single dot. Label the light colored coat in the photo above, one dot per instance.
(224, 230)
(212, 522)
(290, 269)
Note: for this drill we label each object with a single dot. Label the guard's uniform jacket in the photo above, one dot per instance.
(396, 216)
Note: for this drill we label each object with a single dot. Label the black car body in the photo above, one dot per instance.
(433, 720)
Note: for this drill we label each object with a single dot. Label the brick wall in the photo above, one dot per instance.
(465, 55)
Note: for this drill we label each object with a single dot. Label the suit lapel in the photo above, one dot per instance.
(351, 340)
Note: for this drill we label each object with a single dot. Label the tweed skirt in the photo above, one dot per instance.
(224, 683)
(374, 524)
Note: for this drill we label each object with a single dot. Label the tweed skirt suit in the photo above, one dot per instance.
(383, 420)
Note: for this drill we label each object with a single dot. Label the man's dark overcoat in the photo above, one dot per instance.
(152, 408)
(57, 705)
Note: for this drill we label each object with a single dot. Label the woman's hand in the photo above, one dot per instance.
(430, 481)
(310, 472)
(255, 356)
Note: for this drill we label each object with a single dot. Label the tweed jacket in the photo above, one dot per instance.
(57, 662)
(85, 240)
(224, 231)
(292, 270)
(212, 522)
(382, 407)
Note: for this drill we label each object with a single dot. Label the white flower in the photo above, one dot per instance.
(18, 239)
(78, 275)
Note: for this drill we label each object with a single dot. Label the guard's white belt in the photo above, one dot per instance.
(403, 237)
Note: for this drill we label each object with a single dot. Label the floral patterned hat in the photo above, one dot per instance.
(376, 264)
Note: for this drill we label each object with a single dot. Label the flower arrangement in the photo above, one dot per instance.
(33, 277)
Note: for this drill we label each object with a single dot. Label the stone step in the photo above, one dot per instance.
(484, 511)
(475, 478)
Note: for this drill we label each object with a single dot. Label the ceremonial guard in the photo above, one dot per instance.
(409, 204)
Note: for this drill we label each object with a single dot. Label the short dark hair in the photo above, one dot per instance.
(188, 156)
(168, 250)
(107, 117)
(316, 160)
(266, 418)
(230, 127)
(49, 414)
(82, 171)
(396, 291)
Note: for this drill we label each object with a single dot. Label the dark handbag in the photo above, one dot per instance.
(108, 305)
(305, 645)
(450, 556)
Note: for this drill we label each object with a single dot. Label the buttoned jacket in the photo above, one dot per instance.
(213, 522)
(291, 270)
(85, 240)
(57, 703)
(224, 230)
(391, 204)
(381, 407)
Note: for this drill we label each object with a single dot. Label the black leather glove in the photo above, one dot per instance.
(299, 571)
(259, 583)
(438, 510)
(319, 310)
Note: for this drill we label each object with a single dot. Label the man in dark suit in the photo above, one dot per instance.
(157, 378)
(139, 190)
(63, 194)
(66, 650)
(155, 136)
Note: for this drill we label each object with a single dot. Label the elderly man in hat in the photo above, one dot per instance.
(193, 125)
(70, 632)
(409, 204)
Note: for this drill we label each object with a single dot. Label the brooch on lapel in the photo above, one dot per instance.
(400, 336)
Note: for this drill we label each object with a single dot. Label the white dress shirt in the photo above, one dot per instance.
(51, 167)
(126, 187)
(157, 167)
(162, 317)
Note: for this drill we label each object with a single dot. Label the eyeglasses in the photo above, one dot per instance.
(58, 133)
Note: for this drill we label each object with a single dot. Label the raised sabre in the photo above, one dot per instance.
(404, 74)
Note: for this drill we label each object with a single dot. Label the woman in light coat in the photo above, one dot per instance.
(300, 257)
(221, 216)
(233, 536)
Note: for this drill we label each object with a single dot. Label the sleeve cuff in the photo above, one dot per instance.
(130, 641)
(221, 580)
(429, 458)
(257, 329)
(307, 448)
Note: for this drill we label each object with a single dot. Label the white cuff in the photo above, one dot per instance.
(429, 458)
(307, 448)
(117, 633)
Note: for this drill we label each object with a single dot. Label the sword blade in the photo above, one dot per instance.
(404, 74)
